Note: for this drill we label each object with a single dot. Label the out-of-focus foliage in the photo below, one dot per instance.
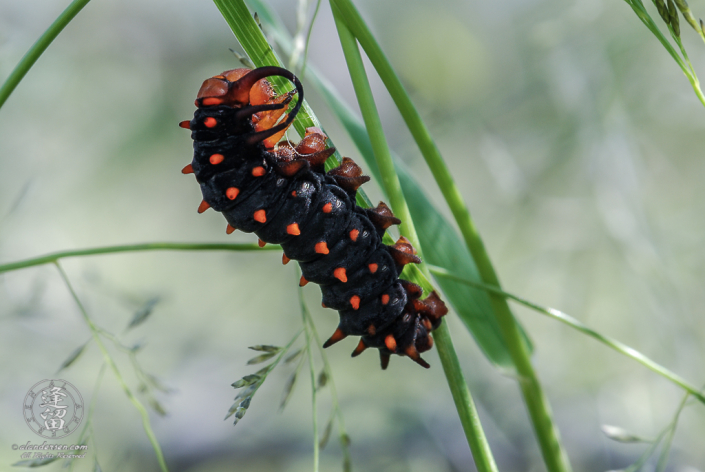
(576, 142)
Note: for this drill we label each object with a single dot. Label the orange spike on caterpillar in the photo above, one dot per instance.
(293, 229)
(338, 335)
(340, 274)
(390, 342)
(232, 193)
(260, 215)
(203, 206)
(360, 347)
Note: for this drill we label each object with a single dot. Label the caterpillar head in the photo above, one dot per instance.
(235, 88)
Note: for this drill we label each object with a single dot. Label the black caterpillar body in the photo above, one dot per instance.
(282, 194)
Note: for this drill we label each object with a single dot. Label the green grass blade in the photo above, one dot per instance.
(373, 125)
(39, 47)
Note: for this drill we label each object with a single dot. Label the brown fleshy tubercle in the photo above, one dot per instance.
(403, 252)
(348, 175)
(382, 217)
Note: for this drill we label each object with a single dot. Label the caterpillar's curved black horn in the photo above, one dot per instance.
(249, 80)
(243, 113)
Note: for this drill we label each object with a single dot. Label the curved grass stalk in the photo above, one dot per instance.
(577, 325)
(39, 47)
(54, 257)
(111, 363)
(337, 411)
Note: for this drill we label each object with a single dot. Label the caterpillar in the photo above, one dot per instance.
(282, 193)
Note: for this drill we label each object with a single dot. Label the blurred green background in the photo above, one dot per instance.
(575, 140)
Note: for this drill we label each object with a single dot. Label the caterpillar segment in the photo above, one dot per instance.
(281, 192)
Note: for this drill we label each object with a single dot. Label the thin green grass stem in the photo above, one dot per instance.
(312, 369)
(462, 398)
(39, 47)
(373, 124)
(338, 412)
(111, 363)
(52, 258)
(575, 324)
(666, 448)
(537, 404)
(390, 181)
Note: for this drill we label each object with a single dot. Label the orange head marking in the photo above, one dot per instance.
(211, 101)
(322, 248)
